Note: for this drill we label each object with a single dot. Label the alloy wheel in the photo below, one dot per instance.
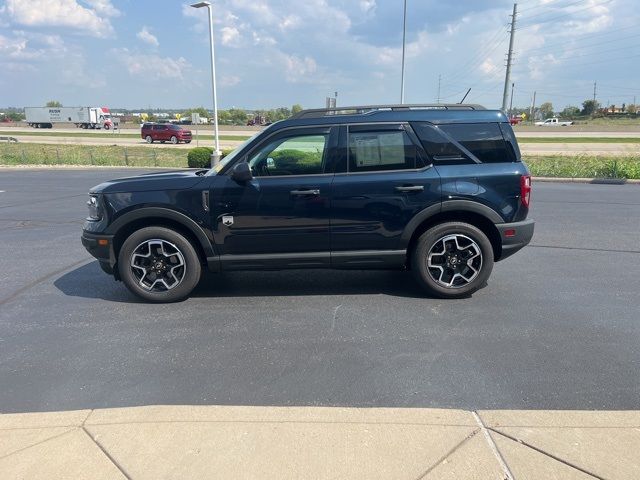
(454, 261)
(158, 265)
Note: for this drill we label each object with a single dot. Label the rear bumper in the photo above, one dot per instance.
(514, 236)
(101, 247)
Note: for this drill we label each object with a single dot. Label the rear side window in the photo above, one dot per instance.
(371, 151)
(484, 140)
(439, 147)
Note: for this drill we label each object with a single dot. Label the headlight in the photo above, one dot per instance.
(95, 212)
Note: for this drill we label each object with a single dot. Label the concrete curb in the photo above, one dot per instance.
(595, 181)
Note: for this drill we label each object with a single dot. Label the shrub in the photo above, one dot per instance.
(200, 157)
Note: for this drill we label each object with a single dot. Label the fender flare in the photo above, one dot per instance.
(160, 212)
(447, 206)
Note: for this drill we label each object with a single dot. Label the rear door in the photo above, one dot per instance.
(383, 182)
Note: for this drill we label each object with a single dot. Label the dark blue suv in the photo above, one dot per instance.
(436, 189)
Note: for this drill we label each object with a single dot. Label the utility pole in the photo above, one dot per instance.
(595, 85)
(511, 101)
(533, 108)
(507, 78)
(439, 82)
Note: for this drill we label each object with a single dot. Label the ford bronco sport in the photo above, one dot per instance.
(436, 189)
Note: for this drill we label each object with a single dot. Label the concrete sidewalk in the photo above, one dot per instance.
(191, 442)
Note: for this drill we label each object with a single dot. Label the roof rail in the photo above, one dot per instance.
(367, 109)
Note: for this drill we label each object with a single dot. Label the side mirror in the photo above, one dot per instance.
(241, 172)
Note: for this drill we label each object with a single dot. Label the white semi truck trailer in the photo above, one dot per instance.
(81, 117)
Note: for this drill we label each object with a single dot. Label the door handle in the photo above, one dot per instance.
(312, 192)
(410, 188)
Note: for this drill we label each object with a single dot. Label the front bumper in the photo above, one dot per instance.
(101, 247)
(514, 236)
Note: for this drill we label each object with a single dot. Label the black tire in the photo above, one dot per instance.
(454, 262)
(149, 139)
(174, 139)
(187, 279)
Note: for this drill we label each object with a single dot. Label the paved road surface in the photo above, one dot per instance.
(556, 328)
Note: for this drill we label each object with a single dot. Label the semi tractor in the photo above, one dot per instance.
(81, 117)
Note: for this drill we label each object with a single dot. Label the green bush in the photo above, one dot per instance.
(199, 157)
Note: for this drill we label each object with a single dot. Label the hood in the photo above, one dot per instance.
(173, 180)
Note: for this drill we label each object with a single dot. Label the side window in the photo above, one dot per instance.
(439, 148)
(299, 155)
(484, 140)
(371, 151)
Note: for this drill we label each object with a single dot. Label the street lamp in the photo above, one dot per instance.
(215, 156)
(404, 45)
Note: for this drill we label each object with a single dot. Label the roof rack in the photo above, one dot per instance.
(366, 109)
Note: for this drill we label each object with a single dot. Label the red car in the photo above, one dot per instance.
(164, 132)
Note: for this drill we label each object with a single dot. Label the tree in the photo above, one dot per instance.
(570, 112)
(199, 110)
(237, 116)
(632, 109)
(297, 108)
(53, 104)
(589, 107)
(546, 110)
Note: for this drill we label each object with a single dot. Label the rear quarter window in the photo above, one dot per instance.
(483, 140)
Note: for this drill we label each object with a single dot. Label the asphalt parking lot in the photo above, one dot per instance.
(558, 326)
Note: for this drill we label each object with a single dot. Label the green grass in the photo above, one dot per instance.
(578, 139)
(45, 154)
(584, 166)
(53, 133)
(580, 166)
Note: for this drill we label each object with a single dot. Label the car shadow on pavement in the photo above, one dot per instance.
(89, 281)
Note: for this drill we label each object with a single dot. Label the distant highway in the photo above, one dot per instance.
(129, 137)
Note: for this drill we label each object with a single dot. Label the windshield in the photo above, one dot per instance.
(232, 155)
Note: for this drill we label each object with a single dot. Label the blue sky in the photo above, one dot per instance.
(144, 53)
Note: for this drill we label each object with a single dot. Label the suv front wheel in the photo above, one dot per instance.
(452, 260)
(159, 265)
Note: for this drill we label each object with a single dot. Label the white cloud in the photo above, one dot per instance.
(229, 81)
(61, 13)
(299, 69)
(104, 7)
(265, 40)
(290, 21)
(147, 37)
(230, 35)
(152, 66)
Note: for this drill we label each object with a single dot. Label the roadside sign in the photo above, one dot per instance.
(195, 119)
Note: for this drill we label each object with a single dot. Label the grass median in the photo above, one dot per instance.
(579, 166)
(110, 134)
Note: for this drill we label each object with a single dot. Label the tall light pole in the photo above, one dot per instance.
(404, 43)
(215, 156)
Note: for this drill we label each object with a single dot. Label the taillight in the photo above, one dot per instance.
(525, 190)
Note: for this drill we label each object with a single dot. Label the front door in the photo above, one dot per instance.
(281, 217)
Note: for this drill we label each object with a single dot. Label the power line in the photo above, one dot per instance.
(584, 37)
(554, 6)
(615, 40)
(528, 25)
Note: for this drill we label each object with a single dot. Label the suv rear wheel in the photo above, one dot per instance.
(452, 260)
(149, 139)
(159, 265)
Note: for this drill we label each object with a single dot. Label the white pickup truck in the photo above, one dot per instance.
(554, 122)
